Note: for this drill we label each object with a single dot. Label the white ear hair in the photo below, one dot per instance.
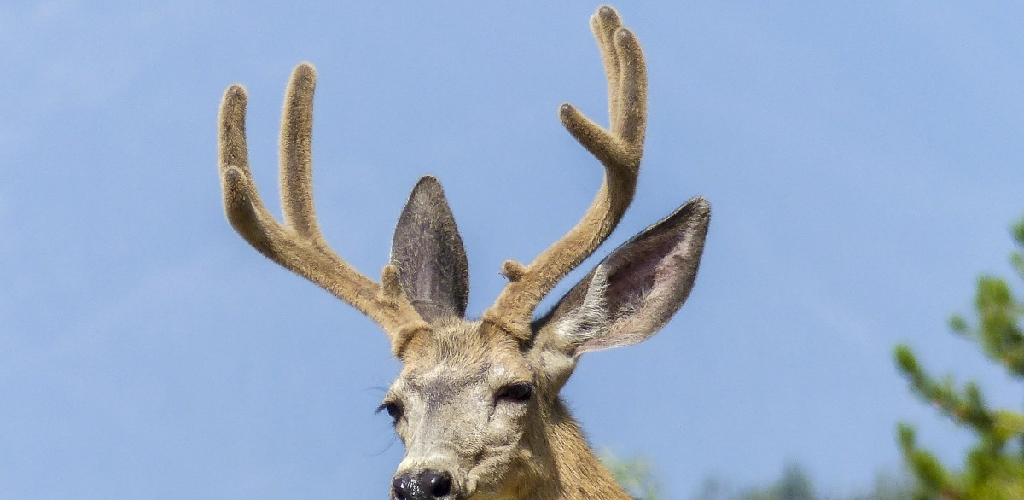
(591, 319)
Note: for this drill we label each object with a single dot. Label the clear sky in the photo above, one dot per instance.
(863, 162)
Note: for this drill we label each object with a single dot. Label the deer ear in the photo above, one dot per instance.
(634, 291)
(427, 250)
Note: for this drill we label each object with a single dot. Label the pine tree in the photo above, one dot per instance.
(994, 467)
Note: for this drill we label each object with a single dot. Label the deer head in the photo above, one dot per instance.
(477, 402)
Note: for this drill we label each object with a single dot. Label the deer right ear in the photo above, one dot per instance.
(634, 291)
(428, 252)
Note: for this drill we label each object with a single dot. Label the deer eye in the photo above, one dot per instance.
(519, 392)
(393, 408)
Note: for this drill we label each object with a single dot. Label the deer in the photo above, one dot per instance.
(476, 403)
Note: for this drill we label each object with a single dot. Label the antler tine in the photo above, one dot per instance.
(296, 153)
(619, 149)
(298, 245)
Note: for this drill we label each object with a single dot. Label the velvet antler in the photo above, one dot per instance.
(619, 149)
(297, 244)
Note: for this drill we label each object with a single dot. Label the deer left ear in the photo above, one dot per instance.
(428, 252)
(634, 291)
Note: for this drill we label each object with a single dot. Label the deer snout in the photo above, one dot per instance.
(426, 484)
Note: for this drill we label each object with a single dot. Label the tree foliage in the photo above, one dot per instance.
(638, 479)
(994, 467)
(794, 484)
(634, 475)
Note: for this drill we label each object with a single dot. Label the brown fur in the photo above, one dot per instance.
(477, 403)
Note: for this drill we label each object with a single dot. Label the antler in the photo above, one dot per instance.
(619, 150)
(298, 245)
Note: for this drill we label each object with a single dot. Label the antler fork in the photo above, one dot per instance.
(619, 149)
(297, 244)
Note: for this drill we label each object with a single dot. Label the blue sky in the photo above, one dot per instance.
(863, 163)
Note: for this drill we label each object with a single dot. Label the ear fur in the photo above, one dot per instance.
(428, 252)
(634, 291)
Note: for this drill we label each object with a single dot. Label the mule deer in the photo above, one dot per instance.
(477, 402)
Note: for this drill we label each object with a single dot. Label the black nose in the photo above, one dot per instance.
(427, 484)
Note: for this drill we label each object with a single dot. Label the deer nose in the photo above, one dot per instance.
(427, 484)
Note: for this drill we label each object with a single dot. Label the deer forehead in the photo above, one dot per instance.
(462, 354)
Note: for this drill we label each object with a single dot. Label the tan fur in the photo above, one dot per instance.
(477, 403)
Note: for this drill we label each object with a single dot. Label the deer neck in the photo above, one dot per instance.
(566, 468)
